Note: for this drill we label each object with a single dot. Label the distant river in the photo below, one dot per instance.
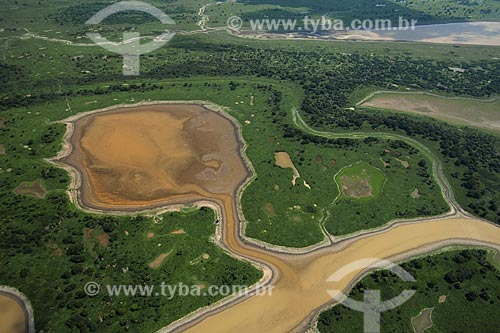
(472, 33)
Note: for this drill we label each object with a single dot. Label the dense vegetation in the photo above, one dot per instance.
(43, 247)
(468, 279)
(50, 250)
(328, 80)
(425, 12)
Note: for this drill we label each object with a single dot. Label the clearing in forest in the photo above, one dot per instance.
(284, 161)
(34, 189)
(423, 321)
(360, 180)
(159, 260)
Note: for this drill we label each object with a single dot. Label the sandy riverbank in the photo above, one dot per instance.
(16, 313)
(299, 280)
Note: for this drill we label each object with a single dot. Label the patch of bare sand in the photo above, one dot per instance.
(415, 194)
(386, 164)
(150, 235)
(355, 186)
(2, 150)
(158, 261)
(405, 164)
(12, 317)
(103, 239)
(283, 160)
(178, 232)
(35, 190)
(442, 298)
(87, 233)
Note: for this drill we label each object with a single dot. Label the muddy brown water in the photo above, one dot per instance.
(12, 315)
(153, 155)
(144, 157)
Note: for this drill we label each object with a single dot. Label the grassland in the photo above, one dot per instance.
(361, 180)
(59, 19)
(47, 80)
(461, 287)
(71, 248)
(472, 112)
(89, 72)
(280, 213)
(426, 12)
(286, 214)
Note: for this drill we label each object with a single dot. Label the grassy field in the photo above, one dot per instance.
(71, 248)
(473, 112)
(461, 287)
(426, 12)
(44, 81)
(62, 20)
(360, 180)
(87, 248)
(280, 213)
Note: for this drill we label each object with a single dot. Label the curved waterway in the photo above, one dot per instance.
(195, 154)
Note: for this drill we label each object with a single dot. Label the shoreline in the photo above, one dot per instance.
(24, 303)
(309, 324)
(270, 260)
(269, 273)
(469, 37)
